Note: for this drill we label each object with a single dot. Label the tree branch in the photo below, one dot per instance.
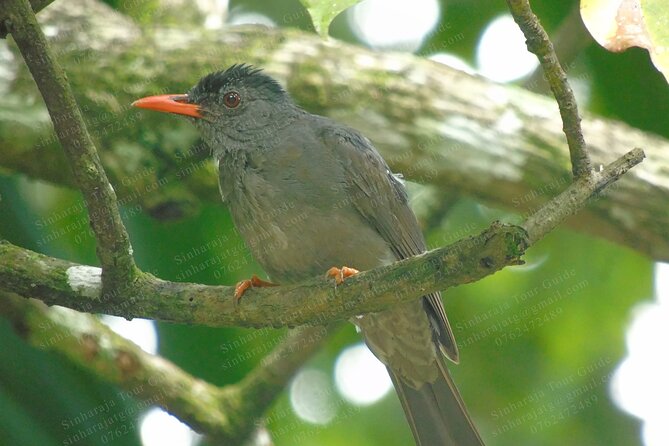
(316, 301)
(113, 247)
(36, 5)
(569, 40)
(548, 217)
(539, 44)
(497, 144)
(226, 414)
(256, 392)
(570, 201)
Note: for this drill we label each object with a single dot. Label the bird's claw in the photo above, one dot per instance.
(340, 274)
(253, 282)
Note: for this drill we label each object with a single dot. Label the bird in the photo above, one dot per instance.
(310, 196)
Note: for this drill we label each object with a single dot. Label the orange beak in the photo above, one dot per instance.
(170, 103)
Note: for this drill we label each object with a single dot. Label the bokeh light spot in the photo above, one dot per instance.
(394, 24)
(360, 377)
(158, 428)
(501, 54)
(140, 331)
(311, 397)
(639, 385)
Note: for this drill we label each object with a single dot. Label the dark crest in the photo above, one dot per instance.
(237, 74)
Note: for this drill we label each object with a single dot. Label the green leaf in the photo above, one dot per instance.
(619, 24)
(323, 12)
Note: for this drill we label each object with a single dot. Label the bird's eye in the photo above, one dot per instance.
(232, 99)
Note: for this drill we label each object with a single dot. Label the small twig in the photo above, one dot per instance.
(569, 40)
(567, 203)
(226, 414)
(113, 244)
(539, 44)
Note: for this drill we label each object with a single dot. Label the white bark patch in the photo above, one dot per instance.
(85, 280)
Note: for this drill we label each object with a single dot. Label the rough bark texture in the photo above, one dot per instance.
(317, 301)
(538, 43)
(437, 126)
(113, 244)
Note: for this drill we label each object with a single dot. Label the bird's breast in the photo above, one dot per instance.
(296, 230)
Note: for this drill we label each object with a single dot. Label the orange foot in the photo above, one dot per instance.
(244, 285)
(341, 274)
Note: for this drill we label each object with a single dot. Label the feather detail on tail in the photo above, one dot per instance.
(436, 413)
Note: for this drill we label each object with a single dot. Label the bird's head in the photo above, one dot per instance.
(229, 107)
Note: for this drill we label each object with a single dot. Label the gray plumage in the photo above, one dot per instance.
(306, 194)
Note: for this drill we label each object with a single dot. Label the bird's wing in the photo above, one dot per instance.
(380, 197)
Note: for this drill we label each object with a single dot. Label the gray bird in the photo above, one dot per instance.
(307, 194)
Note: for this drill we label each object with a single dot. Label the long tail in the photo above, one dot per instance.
(436, 412)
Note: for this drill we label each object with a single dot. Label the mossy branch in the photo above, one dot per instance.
(227, 415)
(317, 301)
(113, 244)
(539, 44)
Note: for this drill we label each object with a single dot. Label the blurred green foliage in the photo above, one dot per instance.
(538, 342)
